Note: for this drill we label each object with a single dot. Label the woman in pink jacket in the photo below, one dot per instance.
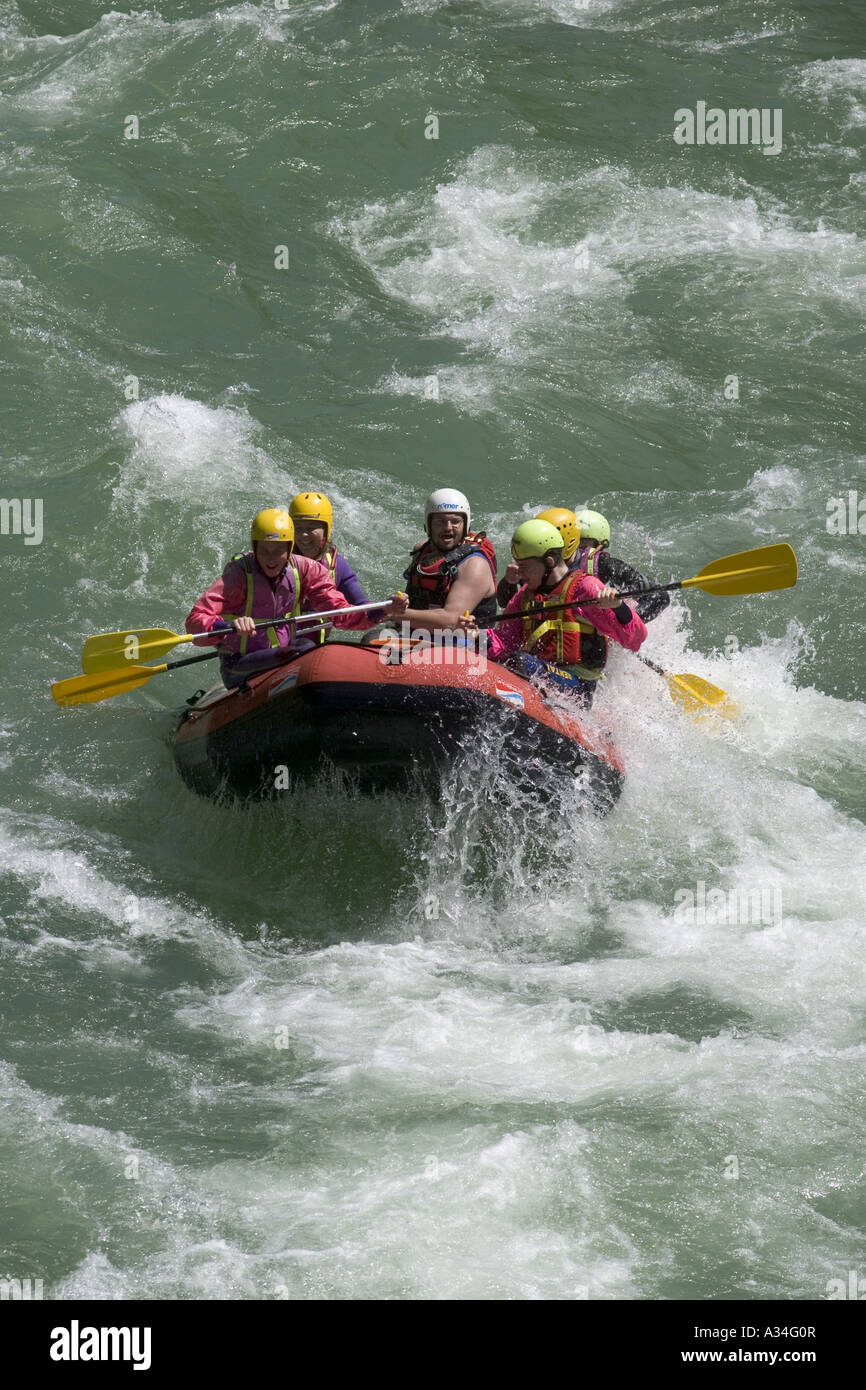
(270, 582)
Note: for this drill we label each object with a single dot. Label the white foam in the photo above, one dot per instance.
(484, 276)
(183, 449)
(838, 81)
(467, 387)
(58, 877)
(91, 66)
(744, 38)
(576, 13)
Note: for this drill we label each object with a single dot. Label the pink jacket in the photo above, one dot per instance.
(229, 595)
(507, 637)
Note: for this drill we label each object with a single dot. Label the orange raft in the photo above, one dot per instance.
(389, 716)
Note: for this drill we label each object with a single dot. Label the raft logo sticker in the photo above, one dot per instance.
(511, 697)
(22, 516)
(284, 685)
(75, 1343)
(737, 126)
(846, 521)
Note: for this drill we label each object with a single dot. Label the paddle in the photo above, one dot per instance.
(748, 572)
(694, 694)
(88, 689)
(108, 650)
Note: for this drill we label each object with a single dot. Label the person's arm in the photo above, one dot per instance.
(624, 578)
(472, 583)
(321, 595)
(347, 582)
(508, 585)
(610, 614)
(227, 595)
(506, 637)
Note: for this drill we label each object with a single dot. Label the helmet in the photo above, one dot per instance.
(567, 525)
(448, 501)
(313, 506)
(594, 527)
(273, 524)
(536, 539)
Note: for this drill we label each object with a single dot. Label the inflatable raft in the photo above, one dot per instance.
(389, 716)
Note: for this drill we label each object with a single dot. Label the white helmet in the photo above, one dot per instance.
(447, 500)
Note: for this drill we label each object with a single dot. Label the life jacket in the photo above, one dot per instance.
(585, 560)
(329, 560)
(329, 556)
(431, 574)
(563, 638)
(265, 601)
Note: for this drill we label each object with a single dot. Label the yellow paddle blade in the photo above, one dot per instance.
(749, 572)
(110, 650)
(697, 696)
(88, 689)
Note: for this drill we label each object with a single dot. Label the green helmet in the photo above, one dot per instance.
(535, 539)
(593, 527)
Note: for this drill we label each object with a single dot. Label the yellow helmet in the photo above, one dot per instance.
(313, 506)
(535, 540)
(594, 527)
(273, 524)
(567, 525)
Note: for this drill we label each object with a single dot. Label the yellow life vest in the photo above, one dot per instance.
(562, 637)
(270, 632)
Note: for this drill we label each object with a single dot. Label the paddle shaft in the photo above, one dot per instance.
(299, 618)
(187, 661)
(659, 670)
(578, 603)
(778, 560)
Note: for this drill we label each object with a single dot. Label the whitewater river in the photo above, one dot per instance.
(477, 1049)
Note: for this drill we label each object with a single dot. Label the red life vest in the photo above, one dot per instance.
(563, 637)
(431, 574)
